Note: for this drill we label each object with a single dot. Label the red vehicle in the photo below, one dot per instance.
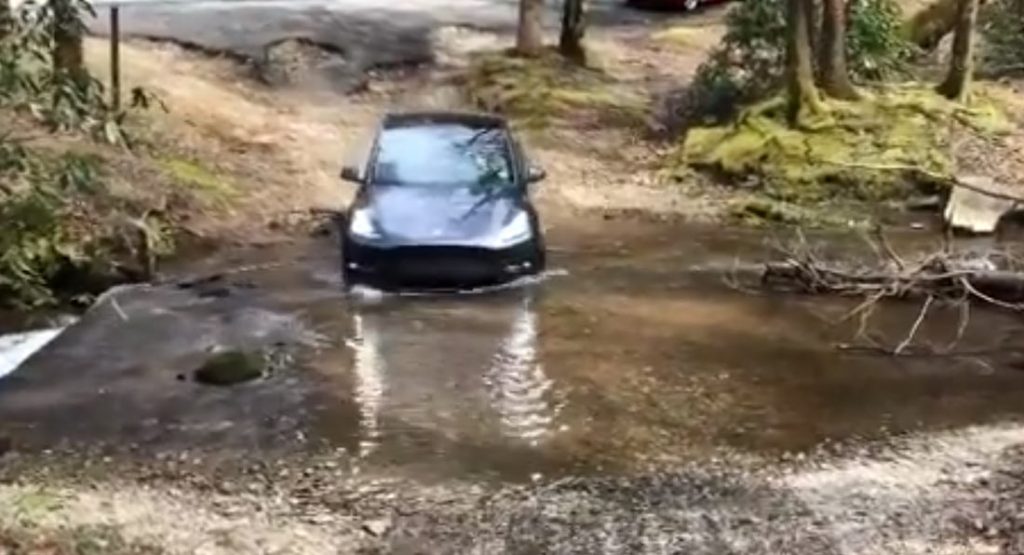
(681, 5)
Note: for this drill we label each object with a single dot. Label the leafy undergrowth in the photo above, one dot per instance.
(547, 90)
(884, 147)
(80, 216)
(86, 199)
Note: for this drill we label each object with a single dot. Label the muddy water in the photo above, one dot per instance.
(634, 354)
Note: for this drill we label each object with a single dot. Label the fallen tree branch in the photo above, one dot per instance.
(917, 326)
(988, 192)
(918, 352)
(946, 277)
(950, 180)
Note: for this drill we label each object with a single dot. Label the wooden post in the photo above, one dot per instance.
(115, 57)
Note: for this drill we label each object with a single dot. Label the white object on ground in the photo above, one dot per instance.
(969, 208)
(18, 347)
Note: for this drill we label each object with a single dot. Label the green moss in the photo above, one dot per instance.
(231, 367)
(872, 150)
(683, 36)
(34, 504)
(79, 540)
(763, 211)
(759, 211)
(205, 182)
(541, 91)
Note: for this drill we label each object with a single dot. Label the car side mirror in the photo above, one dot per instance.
(350, 173)
(536, 175)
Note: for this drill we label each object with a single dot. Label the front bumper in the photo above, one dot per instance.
(439, 267)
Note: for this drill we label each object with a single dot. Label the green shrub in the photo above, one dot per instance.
(59, 222)
(1002, 25)
(30, 84)
(749, 64)
(37, 205)
(876, 47)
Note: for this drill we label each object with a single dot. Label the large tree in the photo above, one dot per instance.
(961, 66)
(530, 39)
(6, 18)
(835, 77)
(803, 97)
(68, 30)
(574, 26)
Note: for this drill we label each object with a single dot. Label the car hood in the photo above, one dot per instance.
(410, 215)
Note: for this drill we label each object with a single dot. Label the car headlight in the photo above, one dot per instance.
(515, 231)
(361, 225)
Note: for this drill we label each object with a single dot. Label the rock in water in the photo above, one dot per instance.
(230, 368)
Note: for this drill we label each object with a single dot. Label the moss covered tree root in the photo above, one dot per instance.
(876, 149)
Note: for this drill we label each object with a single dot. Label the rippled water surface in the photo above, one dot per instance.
(633, 353)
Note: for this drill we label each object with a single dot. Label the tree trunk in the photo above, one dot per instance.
(574, 25)
(961, 66)
(68, 30)
(6, 18)
(803, 97)
(835, 78)
(530, 39)
(813, 26)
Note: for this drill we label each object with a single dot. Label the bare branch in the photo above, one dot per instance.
(889, 250)
(948, 277)
(974, 291)
(917, 326)
(963, 321)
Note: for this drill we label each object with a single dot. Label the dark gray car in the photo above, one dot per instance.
(443, 202)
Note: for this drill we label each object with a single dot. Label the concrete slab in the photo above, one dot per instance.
(977, 206)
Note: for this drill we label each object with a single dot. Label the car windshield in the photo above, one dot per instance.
(449, 155)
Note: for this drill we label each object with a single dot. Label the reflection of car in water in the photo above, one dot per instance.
(451, 369)
(443, 202)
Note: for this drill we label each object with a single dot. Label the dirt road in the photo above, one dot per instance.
(364, 34)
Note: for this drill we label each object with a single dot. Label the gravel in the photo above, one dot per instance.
(953, 492)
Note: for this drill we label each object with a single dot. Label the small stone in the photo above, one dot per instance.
(377, 527)
(214, 293)
(230, 368)
(321, 519)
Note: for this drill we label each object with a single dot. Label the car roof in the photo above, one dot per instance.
(427, 119)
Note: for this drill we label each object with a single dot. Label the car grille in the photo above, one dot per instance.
(442, 266)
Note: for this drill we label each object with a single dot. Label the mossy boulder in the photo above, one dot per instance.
(871, 150)
(684, 36)
(540, 91)
(231, 367)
